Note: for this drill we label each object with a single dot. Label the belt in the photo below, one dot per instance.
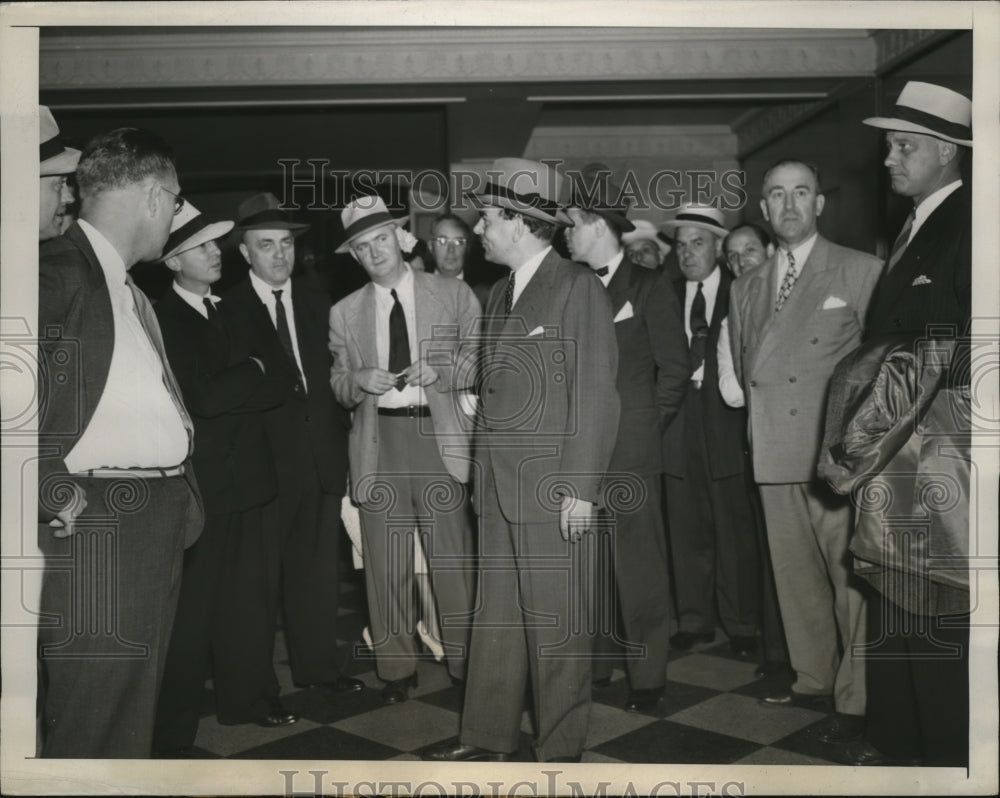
(133, 473)
(411, 411)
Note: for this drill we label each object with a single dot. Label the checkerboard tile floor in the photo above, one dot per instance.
(709, 714)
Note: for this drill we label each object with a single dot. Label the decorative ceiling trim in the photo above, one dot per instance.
(760, 128)
(353, 56)
(892, 46)
(632, 142)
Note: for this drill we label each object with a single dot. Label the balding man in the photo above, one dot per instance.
(57, 162)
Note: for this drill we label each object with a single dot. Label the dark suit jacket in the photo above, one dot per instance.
(724, 426)
(77, 338)
(932, 282)
(303, 429)
(225, 393)
(549, 408)
(653, 365)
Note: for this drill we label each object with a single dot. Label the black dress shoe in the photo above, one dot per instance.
(601, 684)
(789, 698)
(743, 646)
(844, 728)
(456, 751)
(398, 690)
(277, 715)
(862, 753)
(342, 684)
(772, 668)
(643, 700)
(682, 641)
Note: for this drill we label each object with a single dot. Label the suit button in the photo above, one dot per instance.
(792, 379)
(491, 390)
(744, 350)
(814, 341)
(296, 388)
(753, 383)
(792, 412)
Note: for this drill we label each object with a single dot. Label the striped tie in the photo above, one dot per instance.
(899, 247)
(787, 283)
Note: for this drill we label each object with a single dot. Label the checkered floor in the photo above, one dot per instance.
(709, 714)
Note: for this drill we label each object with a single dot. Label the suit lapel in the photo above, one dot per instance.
(535, 297)
(427, 309)
(620, 286)
(361, 325)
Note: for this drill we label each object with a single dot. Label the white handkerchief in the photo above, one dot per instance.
(624, 313)
(537, 331)
(923, 279)
(467, 403)
(833, 302)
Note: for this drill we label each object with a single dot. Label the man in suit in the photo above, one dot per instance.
(791, 320)
(652, 377)
(549, 415)
(713, 538)
(222, 626)
(285, 324)
(918, 696)
(644, 246)
(395, 346)
(451, 245)
(117, 497)
(56, 163)
(747, 247)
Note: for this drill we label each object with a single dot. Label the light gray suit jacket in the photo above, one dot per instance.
(446, 312)
(784, 360)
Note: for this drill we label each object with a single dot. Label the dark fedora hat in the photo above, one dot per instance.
(528, 187)
(595, 191)
(264, 212)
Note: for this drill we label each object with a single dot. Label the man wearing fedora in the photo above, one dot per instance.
(117, 498)
(713, 537)
(285, 325)
(222, 626)
(644, 246)
(396, 350)
(790, 321)
(652, 377)
(56, 162)
(548, 418)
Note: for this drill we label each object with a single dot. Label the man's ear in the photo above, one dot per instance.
(947, 151)
(173, 263)
(245, 252)
(718, 246)
(820, 202)
(763, 210)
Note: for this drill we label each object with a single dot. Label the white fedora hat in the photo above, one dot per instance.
(189, 230)
(55, 158)
(528, 187)
(646, 231)
(931, 110)
(703, 216)
(363, 214)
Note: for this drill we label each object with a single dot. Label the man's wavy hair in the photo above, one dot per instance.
(120, 158)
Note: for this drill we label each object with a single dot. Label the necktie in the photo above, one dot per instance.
(699, 329)
(399, 341)
(213, 313)
(508, 296)
(602, 272)
(899, 246)
(787, 283)
(284, 333)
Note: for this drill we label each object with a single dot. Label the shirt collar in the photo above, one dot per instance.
(931, 202)
(710, 283)
(613, 265)
(405, 285)
(802, 250)
(530, 266)
(111, 262)
(266, 291)
(197, 301)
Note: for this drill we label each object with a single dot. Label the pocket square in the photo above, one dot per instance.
(923, 279)
(833, 302)
(537, 331)
(625, 313)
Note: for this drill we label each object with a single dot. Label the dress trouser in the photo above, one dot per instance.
(109, 595)
(808, 528)
(415, 491)
(529, 625)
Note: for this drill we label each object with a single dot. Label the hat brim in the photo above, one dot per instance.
(905, 126)
(617, 219)
(346, 246)
(662, 245)
(668, 227)
(482, 201)
(64, 163)
(208, 233)
(297, 228)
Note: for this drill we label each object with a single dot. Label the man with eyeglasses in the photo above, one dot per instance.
(117, 498)
(451, 246)
(56, 163)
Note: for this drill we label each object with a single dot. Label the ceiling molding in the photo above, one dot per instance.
(893, 46)
(366, 56)
(711, 141)
(760, 128)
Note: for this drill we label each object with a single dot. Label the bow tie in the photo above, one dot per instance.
(602, 272)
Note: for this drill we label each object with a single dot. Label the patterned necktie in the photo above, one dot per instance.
(699, 330)
(788, 283)
(899, 246)
(399, 341)
(508, 296)
(284, 333)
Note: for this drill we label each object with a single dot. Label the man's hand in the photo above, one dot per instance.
(372, 380)
(64, 524)
(576, 517)
(420, 373)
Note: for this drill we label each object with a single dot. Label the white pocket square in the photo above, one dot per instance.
(537, 331)
(833, 302)
(624, 313)
(923, 279)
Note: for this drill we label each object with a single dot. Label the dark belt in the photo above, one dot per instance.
(411, 411)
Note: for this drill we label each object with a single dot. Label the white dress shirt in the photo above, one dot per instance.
(930, 204)
(524, 273)
(197, 301)
(801, 254)
(709, 289)
(136, 423)
(411, 394)
(612, 265)
(266, 294)
(729, 386)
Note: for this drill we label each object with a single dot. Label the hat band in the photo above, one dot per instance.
(267, 215)
(51, 148)
(697, 217)
(184, 232)
(367, 222)
(531, 200)
(935, 123)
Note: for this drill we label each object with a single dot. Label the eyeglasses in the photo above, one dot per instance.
(444, 241)
(178, 200)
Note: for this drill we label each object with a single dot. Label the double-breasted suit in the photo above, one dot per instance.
(784, 360)
(549, 418)
(307, 435)
(713, 534)
(411, 472)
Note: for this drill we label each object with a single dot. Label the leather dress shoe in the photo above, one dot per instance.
(342, 684)
(743, 645)
(772, 668)
(862, 753)
(682, 641)
(789, 698)
(277, 715)
(601, 684)
(398, 690)
(844, 728)
(643, 700)
(455, 750)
